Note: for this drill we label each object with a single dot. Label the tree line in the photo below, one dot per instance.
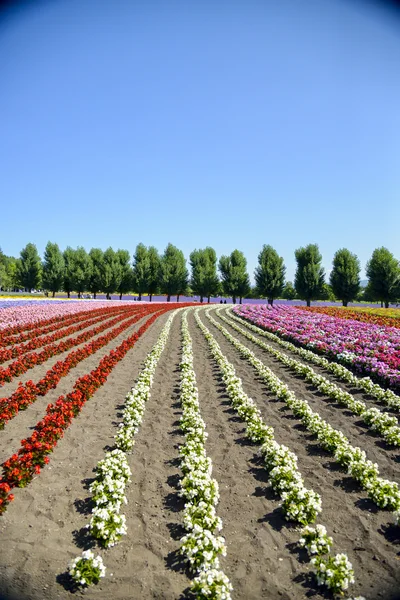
(148, 272)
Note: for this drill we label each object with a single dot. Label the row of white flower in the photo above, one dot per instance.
(300, 504)
(113, 472)
(379, 422)
(363, 383)
(202, 546)
(384, 493)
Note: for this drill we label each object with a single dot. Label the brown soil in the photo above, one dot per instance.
(44, 528)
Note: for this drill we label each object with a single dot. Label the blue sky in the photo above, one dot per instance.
(231, 124)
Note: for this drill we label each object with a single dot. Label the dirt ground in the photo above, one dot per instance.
(44, 528)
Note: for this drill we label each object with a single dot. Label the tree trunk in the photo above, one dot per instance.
(381, 303)
(54, 295)
(140, 297)
(68, 294)
(270, 301)
(177, 298)
(308, 302)
(386, 304)
(234, 299)
(79, 294)
(169, 298)
(344, 302)
(201, 298)
(240, 300)
(120, 296)
(94, 295)
(208, 299)
(151, 297)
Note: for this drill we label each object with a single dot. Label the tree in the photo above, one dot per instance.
(153, 282)
(288, 292)
(270, 274)
(141, 269)
(69, 266)
(235, 279)
(125, 284)
(383, 272)
(111, 272)
(174, 275)
(29, 268)
(81, 270)
(310, 276)
(204, 280)
(53, 268)
(345, 276)
(96, 258)
(8, 272)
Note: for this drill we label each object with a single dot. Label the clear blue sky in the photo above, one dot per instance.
(231, 124)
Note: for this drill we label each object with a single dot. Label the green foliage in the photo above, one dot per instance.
(310, 276)
(383, 272)
(204, 280)
(153, 282)
(288, 292)
(270, 273)
(345, 276)
(53, 268)
(81, 270)
(8, 272)
(327, 293)
(96, 257)
(141, 269)
(29, 269)
(235, 279)
(173, 274)
(69, 258)
(111, 272)
(126, 282)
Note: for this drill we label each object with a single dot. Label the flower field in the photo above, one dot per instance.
(177, 451)
(378, 316)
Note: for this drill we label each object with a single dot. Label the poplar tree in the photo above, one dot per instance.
(235, 279)
(29, 269)
(383, 272)
(125, 284)
(174, 275)
(345, 276)
(204, 280)
(81, 270)
(153, 282)
(96, 257)
(270, 274)
(53, 268)
(310, 276)
(141, 270)
(111, 273)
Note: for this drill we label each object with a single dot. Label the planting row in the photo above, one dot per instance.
(28, 392)
(364, 315)
(299, 504)
(369, 349)
(37, 331)
(24, 318)
(384, 493)
(113, 474)
(19, 469)
(32, 359)
(378, 421)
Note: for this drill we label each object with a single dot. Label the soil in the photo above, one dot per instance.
(44, 528)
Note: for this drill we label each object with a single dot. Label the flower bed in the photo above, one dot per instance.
(382, 317)
(299, 504)
(369, 349)
(20, 468)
